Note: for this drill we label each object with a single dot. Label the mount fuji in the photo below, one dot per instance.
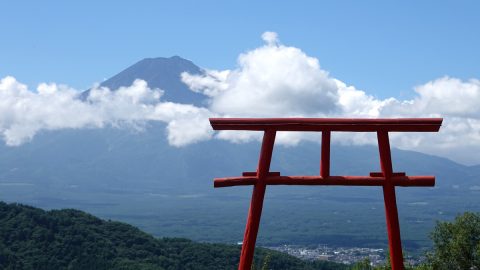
(137, 177)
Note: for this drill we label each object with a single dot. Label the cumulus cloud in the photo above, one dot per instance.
(273, 80)
(23, 113)
(454, 100)
(271, 38)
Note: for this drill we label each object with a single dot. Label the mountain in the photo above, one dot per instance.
(137, 177)
(31, 238)
(160, 72)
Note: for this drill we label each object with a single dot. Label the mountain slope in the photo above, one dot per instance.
(31, 238)
(138, 178)
(160, 72)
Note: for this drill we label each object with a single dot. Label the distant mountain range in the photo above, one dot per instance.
(138, 178)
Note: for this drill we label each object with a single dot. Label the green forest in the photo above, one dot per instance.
(31, 238)
(456, 246)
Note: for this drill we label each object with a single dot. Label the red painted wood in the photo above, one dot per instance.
(387, 178)
(256, 204)
(380, 174)
(255, 174)
(325, 154)
(391, 212)
(403, 181)
(328, 124)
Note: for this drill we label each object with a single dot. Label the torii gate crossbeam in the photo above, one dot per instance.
(386, 178)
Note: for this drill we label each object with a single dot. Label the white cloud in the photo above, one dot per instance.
(271, 38)
(186, 123)
(23, 113)
(281, 81)
(211, 84)
(457, 102)
(273, 80)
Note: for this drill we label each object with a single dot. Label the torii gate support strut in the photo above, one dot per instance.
(386, 178)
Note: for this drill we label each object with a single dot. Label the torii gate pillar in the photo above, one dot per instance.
(391, 212)
(256, 204)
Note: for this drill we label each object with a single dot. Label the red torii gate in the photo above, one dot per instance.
(386, 178)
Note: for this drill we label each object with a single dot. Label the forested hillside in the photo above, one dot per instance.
(31, 238)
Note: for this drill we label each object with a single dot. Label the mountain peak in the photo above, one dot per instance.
(168, 62)
(174, 58)
(177, 57)
(163, 73)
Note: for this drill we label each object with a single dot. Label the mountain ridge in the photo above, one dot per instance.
(31, 238)
(137, 177)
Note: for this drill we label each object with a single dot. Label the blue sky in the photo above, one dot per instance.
(384, 59)
(381, 47)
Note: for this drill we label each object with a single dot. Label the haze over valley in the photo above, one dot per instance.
(143, 153)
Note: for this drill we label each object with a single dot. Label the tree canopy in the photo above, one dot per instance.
(31, 238)
(457, 243)
(456, 246)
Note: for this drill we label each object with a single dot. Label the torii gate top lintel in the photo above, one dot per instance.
(387, 179)
(329, 124)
